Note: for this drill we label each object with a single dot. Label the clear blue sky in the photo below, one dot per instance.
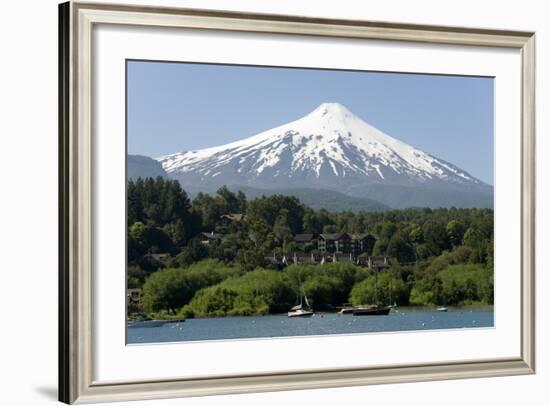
(175, 107)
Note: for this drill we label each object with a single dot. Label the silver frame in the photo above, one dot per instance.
(76, 21)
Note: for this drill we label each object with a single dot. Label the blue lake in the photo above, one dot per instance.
(319, 324)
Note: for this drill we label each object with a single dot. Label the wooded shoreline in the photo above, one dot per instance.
(435, 256)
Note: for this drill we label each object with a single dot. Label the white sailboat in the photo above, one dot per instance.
(303, 309)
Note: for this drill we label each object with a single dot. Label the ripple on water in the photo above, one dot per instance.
(281, 326)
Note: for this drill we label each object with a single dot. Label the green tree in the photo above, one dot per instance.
(176, 232)
(401, 249)
(256, 292)
(193, 252)
(208, 209)
(232, 202)
(170, 289)
(435, 236)
(387, 289)
(385, 230)
(415, 234)
(137, 231)
(380, 248)
(270, 208)
(281, 229)
(455, 232)
(474, 239)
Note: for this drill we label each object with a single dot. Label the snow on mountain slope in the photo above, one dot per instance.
(330, 147)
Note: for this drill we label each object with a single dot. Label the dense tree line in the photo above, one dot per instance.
(437, 255)
(213, 289)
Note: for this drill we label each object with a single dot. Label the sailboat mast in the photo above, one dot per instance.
(390, 287)
(300, 290)
(376, 285)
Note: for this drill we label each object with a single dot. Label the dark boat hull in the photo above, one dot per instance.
(375, 311)
(152, 323)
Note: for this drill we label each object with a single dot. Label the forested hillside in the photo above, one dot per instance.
(187, 255)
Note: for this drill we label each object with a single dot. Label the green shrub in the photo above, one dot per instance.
(254, 293)
(387, 290)
(170, 289)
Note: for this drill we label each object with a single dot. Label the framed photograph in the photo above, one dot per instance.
(253, 202)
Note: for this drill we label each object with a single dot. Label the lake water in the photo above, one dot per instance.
(328, 323)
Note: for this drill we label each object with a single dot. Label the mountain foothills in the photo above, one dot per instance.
(331, 149)
(140, 166)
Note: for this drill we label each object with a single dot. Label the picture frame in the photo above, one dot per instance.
(76, 215)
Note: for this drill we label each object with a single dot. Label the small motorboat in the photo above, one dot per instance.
(442, 309)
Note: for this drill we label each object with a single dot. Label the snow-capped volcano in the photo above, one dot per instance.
(328, 148)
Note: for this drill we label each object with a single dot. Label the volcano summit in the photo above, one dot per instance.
(331, 149)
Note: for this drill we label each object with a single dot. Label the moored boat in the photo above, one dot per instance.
(302, 309)
(152, 323)
(374, 310)
(347, 308)
(299, 312)
(377, 309)
(442, 309)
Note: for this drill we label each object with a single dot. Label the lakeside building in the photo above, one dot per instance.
(309, 248)
(355, 244)
(158, 256)
(133, 296)
(230, 218)
(340, 243)
(335, 242)
(361, 243)
(304, 240)
(300, 258)
(330, 248)
(375, 262)
(207, 238)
